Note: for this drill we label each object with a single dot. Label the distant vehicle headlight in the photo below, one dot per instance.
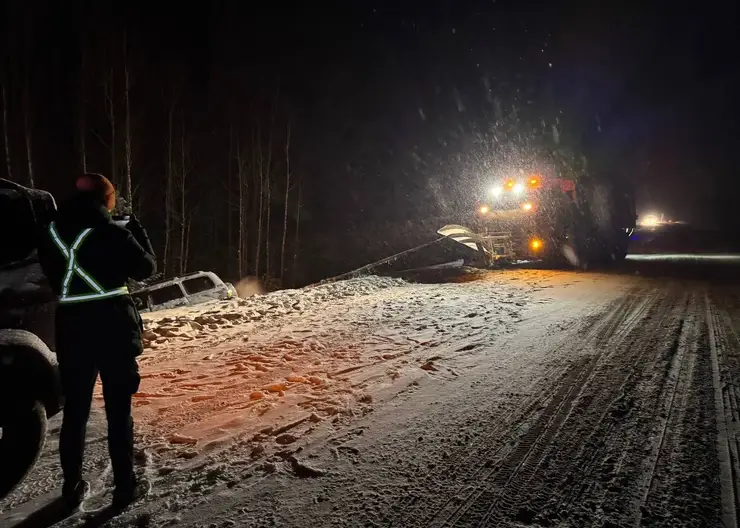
(497, 191)
(518, 188)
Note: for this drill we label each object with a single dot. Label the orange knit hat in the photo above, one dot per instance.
(100, 187)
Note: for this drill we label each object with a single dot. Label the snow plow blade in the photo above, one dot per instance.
(492, 247)
(464, 236)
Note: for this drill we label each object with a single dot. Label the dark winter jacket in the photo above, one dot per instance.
(111, 255)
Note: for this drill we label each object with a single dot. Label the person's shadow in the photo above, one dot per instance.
(54, 512)
(58, 510)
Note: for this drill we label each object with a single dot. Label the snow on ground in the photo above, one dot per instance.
(210, 373)
(230, 382)
(516, 398)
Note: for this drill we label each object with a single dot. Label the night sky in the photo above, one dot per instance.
(385, 98)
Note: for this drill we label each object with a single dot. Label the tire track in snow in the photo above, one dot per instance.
(726, 415)
(499, 500)
(641, 443)
(681, 422)
(624, 312)
(609, 395)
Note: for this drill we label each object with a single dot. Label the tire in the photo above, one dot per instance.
(23, 437)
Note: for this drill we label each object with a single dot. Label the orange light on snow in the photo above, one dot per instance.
(536, 244)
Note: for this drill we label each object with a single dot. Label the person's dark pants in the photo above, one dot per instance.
(79, 369)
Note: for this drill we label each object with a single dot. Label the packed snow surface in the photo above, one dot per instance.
(211, 372)
(467, 398)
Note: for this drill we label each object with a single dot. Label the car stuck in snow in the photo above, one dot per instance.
(188, 290)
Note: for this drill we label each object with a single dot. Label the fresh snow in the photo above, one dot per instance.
(230, 382)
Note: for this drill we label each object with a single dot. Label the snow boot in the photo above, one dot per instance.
(123, 496)
(74, 493)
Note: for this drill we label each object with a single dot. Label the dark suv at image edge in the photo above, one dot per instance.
(30, 392)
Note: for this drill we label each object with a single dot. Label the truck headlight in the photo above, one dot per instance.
(518, 188)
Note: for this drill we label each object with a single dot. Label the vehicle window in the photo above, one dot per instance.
(198, 285)
(166, 294)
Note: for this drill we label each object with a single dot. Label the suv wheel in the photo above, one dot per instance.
(23, 433)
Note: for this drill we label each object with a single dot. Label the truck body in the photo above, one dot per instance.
(541, 217)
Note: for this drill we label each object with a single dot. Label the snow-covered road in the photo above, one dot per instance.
(513, 398)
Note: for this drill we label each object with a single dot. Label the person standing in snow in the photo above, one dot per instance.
(88, 259)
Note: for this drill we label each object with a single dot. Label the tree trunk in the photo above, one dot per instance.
(183, 182)
(6, 136)
(269, 194)
(188, 224)
(127, 160)
(27, 128)
(81, 133)
(260, 172)
(168, 192)
(229, 207)
(111, 111)
(285, 208)
(240, 182)
(297, 227)
(81, 139)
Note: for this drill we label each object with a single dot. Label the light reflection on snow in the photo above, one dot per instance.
(684, 257)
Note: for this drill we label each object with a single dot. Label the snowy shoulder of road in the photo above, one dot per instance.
(234, 385)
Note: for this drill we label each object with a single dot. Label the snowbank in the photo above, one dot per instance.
(166, 327)
(213, 372)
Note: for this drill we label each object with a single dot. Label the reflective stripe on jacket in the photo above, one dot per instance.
(73, 268)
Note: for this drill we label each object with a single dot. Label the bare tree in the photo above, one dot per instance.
(6, 137)
(268, 195)
(243, 191)
(81, 132)
(257, 151)
(82, 143)
(110, 110)
(298, 207)
(285, 208)
(182, 184)
(127, 151)
(28, 128)
(229, 205)
(26, 101)
(188, 228)
(169, 187)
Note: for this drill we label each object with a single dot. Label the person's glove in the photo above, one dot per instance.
(139, 233)
(133, 223)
